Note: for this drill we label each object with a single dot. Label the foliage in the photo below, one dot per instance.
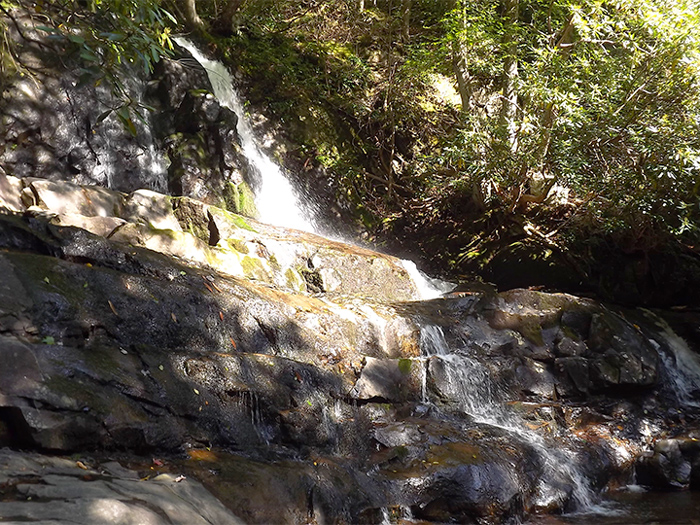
(105, 36)
(608, 102)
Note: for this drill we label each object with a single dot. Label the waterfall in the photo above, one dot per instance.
(470, 384)
(276, 200)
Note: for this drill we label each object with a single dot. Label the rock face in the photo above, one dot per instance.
(58, 126)
(300, 377)
(50, 489)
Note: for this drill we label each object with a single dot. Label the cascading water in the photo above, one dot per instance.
(681, 364)
(276, 200)
(471, 386)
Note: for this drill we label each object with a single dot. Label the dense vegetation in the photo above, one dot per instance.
(548, 132)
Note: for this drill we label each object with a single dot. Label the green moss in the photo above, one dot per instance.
(531, 330)
(191, 217)
(239, 198)
(405, 366)
(234, 219)
(401, 451)
(253, 267)
(454, 454)
(294, 280)
(238, 245)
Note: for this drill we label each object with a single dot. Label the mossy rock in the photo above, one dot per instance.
(239, 198)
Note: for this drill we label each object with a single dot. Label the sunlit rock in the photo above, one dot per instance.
(10, 193)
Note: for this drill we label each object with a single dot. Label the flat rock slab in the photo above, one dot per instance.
(49, 489)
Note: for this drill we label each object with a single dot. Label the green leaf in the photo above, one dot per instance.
(125, 118)
(76, 39)
(89, 56)
(48, 29)
(48, 340)
(103, 116)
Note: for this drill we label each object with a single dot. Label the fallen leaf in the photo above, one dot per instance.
(180, 478)
(208, 287)
(111, 307)
(157, 462)
(48, 340)
(81, 465)
(46, 280)
(203, 455)
(216, 287)
(298, 377)
(221, 315)
(232, 342)
(172, 315)
(196, 391)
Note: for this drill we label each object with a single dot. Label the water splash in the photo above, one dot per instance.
(428, 288)
(276, 200)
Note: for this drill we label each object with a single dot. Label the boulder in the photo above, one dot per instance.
(665, 468)
(390, 380)
(152, 208)
(10, 193)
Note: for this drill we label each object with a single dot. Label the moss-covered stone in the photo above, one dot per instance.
(238, 245)
(239, 198)
(254, 268)
(405, 366)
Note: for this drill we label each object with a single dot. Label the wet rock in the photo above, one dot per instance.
(396, 380)
(572, 376)
(534, 378)
(568, 347)
(666, 467)
(625, 358)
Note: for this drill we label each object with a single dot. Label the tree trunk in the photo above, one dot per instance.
(406, 20)
(192, 20)
(509, 107)
(459, 65)
(224, 23)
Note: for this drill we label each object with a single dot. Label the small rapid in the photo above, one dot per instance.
(470, 384)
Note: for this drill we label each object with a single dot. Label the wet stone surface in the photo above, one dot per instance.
(296, 405)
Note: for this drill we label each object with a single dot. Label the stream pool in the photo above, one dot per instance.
(635, 507)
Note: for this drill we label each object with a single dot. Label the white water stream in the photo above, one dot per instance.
(681, 364)
(277, 201)
(470, 384)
